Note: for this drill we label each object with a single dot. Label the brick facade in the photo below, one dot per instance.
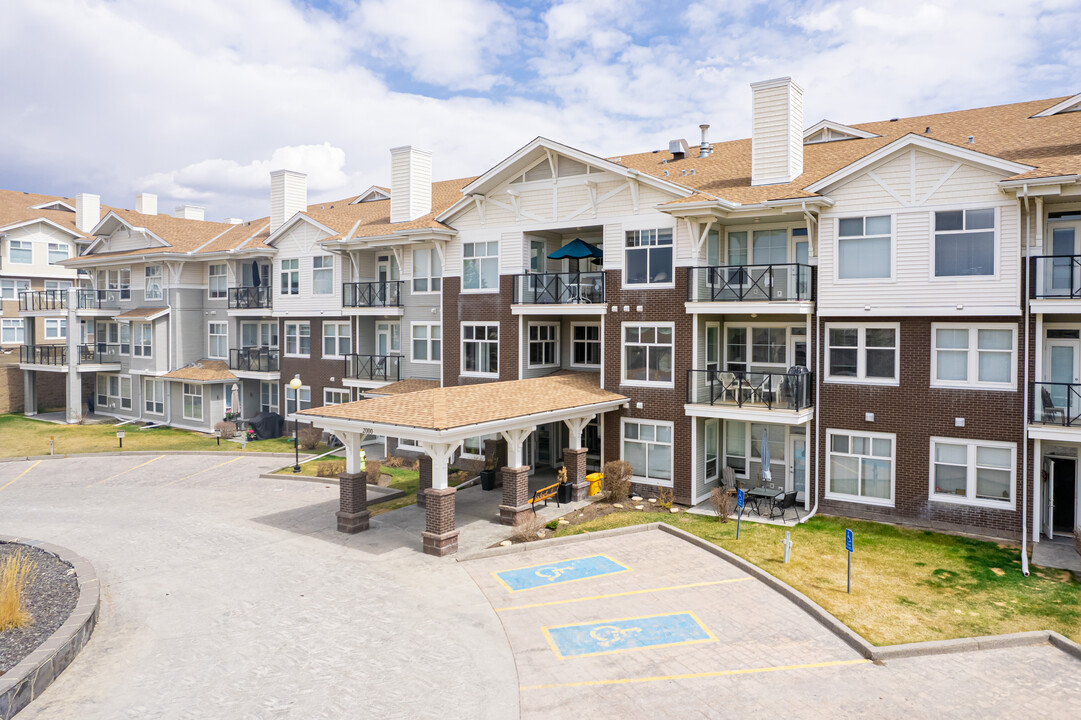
(353, 515)
(52, 390)
(515, 495)
(575, 462)
(440, 536)
(315, 371)
(459, 307)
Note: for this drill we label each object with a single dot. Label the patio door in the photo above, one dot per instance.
(713, 346)
(1065, 280)
(797, 450)
(388, 339)
(1048, 490)
(797, 347)
(529, 452)
(545, 440)
(1062, 369)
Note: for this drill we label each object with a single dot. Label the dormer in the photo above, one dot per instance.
(1069, 105)
(828, 131)
(372, 194)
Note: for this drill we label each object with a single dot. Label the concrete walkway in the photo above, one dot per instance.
(1057, 553)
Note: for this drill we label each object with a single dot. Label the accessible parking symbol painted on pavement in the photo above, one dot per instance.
(612, 636)
(563, 571)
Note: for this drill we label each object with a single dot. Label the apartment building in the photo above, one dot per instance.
(879, 317)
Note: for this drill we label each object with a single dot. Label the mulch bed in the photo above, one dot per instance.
(51, 594)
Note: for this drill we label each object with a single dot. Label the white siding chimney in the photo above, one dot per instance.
(410, 183)
(234, 221)
(288, 196)
(776, 131)
(189, 212)
(87, 211)
(146, 203)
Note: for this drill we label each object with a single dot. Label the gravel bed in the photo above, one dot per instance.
(51, 596)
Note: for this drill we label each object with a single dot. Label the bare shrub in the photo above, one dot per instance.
(415, 467)
(226, 429)
(330, 468)
(374, 469)
(664, 498)
(393, 461)
(15, 572)
(309, 437)
(617, 480)
(458, 478)
(526, 528)
(721, 500)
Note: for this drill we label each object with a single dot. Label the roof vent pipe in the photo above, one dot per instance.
(704, 149)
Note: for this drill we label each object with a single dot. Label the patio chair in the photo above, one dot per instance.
(728, 480)
(1050, 412)
(782, 502)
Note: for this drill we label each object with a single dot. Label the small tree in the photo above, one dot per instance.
(374, 469)
(721, 500)
(309, 437)
(617, 480)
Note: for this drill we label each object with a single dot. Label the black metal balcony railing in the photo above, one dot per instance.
(93, 353)
(31, 300)
(750, 283)
(102, 299)
(772, 391)
(373, 367)
(249, 298)
(570, 288)
(1054, 276)
(254, 359)
(1056, 404)
(381, 293)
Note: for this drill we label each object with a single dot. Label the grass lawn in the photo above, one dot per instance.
(25, 436)
(907, 585)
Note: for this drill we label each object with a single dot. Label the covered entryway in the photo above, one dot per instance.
(440, 419)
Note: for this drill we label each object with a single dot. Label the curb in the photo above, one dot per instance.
(553, 542)
(209, 453)
(35, 672)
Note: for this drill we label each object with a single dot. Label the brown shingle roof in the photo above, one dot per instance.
(203, 371)
(17, 207)
(404, 386)
(450, 407)
(141, 313)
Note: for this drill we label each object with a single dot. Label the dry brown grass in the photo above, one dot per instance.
(393, 462)
(616, 485)
(330, 468)
(664, 498)
(15, 572)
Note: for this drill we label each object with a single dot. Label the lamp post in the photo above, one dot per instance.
(295, 383)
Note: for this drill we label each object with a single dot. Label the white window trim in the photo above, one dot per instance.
(337, 339)
(861, 357)
(474, 456)
(970, 479)
(29, 246)
(316, 270)
(932, 277)
(202, 399)
(498, 263)
(749, 327)
(623, 260)
(57, 247)
(149, 353)
(296, 400)
(660, 423)
(893, 248)
(429, 325)
(209, 285)
(859, 500)
(210, 344)
(461, 349)
(408, 444)
(529, 342)
(151, 382)
(271, 407)
(327, 401)
(283, 271)
(719, 459)
(59, 323)
(623, 355)
(16, 324)
(433, 255)
(285, 337)
(973, 357)
(600, 341)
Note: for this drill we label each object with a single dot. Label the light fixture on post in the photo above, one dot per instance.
(295, 383)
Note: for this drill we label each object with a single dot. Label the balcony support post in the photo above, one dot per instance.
(75, 386)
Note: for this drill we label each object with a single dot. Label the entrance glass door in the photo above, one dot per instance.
(1047, 486)
(388, 338)
(1065, 280)
(1063, 370)
(798, 481)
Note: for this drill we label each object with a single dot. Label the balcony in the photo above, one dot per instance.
(379, 296)
(1056, 404)
(254, 360)
(33, 301)
(56, 356)
(250, 298)
(580, 293)
(780, 288)
(386, 368)
(735, 394)
(1054, 283)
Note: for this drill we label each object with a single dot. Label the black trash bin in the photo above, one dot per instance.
(487, 479)
(564, 492)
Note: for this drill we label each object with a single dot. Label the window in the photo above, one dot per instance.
(125, 392)
(862, 354)
(123, 332)
(290, 277)
(712, 442)
(649, 257)
(480, 349)
(864, 248)
(21, 251)
(142, 340)
(332, 396)
(58, 284)
(322, 275)
(219, 340)
(981, 356)
(427, 271)
(193, 401)
(971, 472)
(480, 266)
(291, 399)
(102, 390)
(116, 280)
(737, 248)
(860, 467)
(268, 396)
(647, 446)
(114, 390)
(12, 331)
(474, 447)
(585, 344)
(298, 340)
(647, 353)
(154, 396)
(543, 345)
(769, 345)
(58, 252)
(217, 281)
(10, 289)
(427, 342)
(407, 444)
(735, 447)
(56, 328)
(964, 243)
(152, 276)
(248, 275)
(336, 339)
(770, 247)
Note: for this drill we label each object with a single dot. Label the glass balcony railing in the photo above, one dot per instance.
(771, 391)
(89, 354)
(254, 359)
(381, 293)
(1056, 404)
(1054, 277)
(750, 283)
(250, 298)
(570, 288)
(373, 367)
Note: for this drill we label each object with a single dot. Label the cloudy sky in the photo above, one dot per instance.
(198, 100)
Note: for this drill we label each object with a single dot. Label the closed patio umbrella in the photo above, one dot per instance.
(234, 401)
(255, 281)
(766, 475)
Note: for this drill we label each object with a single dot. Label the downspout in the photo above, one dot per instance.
(818, 393)
(1026, 277)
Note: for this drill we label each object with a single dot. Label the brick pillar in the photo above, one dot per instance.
(498, 448)
(515, 495)
(575, 462)
(353, 516)
(425, 479)
(440, 536)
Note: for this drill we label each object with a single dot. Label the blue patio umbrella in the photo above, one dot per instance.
(578, 249)
(766, 475)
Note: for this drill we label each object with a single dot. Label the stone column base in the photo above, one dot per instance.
(353, 522)
(440, 544)
(511, 515)
(353, 512)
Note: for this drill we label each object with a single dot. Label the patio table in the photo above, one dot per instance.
(758, 494)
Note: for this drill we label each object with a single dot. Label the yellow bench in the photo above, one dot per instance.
(545, 494)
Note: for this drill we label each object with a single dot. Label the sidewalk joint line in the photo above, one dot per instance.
(113, 477)
(622, 594)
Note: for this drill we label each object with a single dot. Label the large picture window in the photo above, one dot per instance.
(647, 446)
(649, 257)
(972, 472)
(965, 243)
(585, 344)
(336, 339)
(648, 353)
(298, 339)
(21, 252)
(193, 401)
(427, 271)
(864, 354)
(860, 467)
(480, 265)
(980, 356)
(322, 275)
(480, 349)
(543, 345)
(12, 331)
(10, 289)
(864, 248)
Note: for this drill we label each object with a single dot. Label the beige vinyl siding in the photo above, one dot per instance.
(39, 235)
(302, 243)
(771, 134)
(511, 253)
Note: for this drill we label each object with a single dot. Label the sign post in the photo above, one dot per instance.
(848, 547)
(120, 437)
(739, 507)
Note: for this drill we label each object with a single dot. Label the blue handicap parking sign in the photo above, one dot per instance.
(739, 499)
(848, 540)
